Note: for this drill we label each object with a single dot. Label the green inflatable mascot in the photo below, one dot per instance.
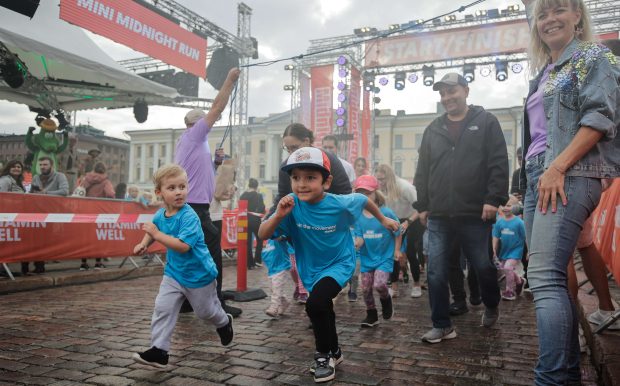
(45, 143)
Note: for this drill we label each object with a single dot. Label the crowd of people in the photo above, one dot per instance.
(333, 222)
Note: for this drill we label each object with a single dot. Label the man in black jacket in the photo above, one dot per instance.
(256, 209)
(462, 178)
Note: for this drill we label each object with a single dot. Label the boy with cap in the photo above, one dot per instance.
(319, 226)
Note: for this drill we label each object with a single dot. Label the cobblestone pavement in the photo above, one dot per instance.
(86, 334)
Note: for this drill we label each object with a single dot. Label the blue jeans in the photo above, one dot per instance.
(551, 240)
(472, 235)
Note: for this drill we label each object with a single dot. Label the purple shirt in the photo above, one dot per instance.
(194, 155)
(536, 116)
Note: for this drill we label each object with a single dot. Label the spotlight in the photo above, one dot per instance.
(342, 97)
(394, 27)
(369, 80)
(369, 85)
(383, 81)
(289, 87)
(342, 60)
(501, 70)
(428, 75)
(340, 122)
(376, 90)
(376, 100)
(413, 77)
(140, 110)
(12, 73)
(340, 111)
(516, 68)
(343, 72)
(513, 8)
(469, 72)
(399, 80)
(342, 86)
(485, 71)
(364, 31)
(450, 18)
(289, 67)
(481, 13)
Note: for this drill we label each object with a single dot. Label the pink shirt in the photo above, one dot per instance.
(194, 155)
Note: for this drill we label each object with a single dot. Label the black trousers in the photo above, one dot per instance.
(457, 277)
(413, 252)
(253, 225)
(320, 310)
(212, 239)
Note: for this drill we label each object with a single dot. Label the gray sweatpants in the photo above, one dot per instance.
(168, 303)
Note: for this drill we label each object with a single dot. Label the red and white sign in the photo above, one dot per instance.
(366, 122)
(137, 27)
(354, 114)
(481, 40)
(322, 101)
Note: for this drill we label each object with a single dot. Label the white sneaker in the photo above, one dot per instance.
(416, 292)
(600, 316)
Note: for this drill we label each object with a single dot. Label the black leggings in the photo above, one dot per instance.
(320, 310)
(212, 239)
(413, 251)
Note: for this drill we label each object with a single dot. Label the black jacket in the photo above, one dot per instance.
(340, 181)
(458, 179)
(255, 203)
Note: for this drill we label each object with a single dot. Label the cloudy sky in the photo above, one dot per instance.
(283, 29)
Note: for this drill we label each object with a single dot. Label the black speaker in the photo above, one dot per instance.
(140, 110)
(222, 60)
(11, 73)
(25, 7)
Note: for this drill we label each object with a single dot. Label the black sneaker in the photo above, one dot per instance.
(152, 357)
(84, 267)
(338, 358)
(458, 308)
(324, 367)
(371, 318)
(226, 333)
(475, 300)
(387, 310)
(99, 266)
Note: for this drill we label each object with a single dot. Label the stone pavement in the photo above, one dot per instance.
(86, 334)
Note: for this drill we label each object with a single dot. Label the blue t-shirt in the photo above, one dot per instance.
(276, 256)
(512, 237)
(377, 253)
(194, 268)
(321, 236)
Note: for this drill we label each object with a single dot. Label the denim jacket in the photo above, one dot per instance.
(583, 89)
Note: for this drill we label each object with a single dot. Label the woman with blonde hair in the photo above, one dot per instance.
(570, 125)
(400, 196)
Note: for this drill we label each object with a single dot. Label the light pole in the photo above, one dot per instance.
(290, 87)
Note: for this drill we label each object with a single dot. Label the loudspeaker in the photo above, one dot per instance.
(11, 73)
(140, 110)
(25, 7)
(222, 60)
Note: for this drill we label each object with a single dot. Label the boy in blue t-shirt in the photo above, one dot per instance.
(508, 243)
(318, 224)
(190, 272)
(276, 256)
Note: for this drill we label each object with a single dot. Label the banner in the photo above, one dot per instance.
(606, 221)
(38, 240)
(354, 114)
(229, 229)
(322, 101)
(424, 47)
(304, 100)
(366, 123)
(137, 27)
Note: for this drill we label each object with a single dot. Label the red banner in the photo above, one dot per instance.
(366, 122)
(137, 27)
(607, 228)
(354, 114)
(322, 101)
(38, 241)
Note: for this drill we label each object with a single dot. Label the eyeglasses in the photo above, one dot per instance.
(291, 149)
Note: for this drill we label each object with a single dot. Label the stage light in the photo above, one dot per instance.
(469, 72)
(513, 8)
(394, 27)
(376, 100)
(516, 68)
(383, 81)
(376, 90)
(342, 60)
(340, 122)
(364, 31)
(342, 86)
(12, 72)
(450, 18)
(428, 75)
(413, 77)
(289, 67)
(481, 13)
(399, 80)
(369, 80)
(501, 70)
(369, 86)
(343, 72)
(289, 87)
(485, 71)
(342, 97)
(340, 111)
(140, 110)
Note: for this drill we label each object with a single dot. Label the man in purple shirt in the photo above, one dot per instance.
(194, 155)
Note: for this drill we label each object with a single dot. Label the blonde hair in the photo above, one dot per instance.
(391, 188)
(167, 171)
(538, 51)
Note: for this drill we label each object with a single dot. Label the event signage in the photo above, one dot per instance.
(137, 27)
(455, 43)
(354, 114)
(322, 86)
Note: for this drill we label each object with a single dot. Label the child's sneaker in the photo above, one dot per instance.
(99, 266)
(352, 296)
(387, 310)
(303, 298)
(338, 358)
(371, 319)
(84, 267)
(324, 367)
(394, 290)
(296, 294)
(152, 357)
(272, 311)
(416, 291)
(226, 333)
(283, 306)
(508, 295)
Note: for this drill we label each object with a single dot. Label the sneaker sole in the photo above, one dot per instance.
(325, 379)
(451, 335)
(336, 363)
(370, 325)
(137, 358)
(490, 325)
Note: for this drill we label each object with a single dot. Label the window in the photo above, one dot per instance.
(376, 141)
(248, 147)
(262, 146)
(398, 168)
(151, 151)
(138, 171)
(398, 141)
(248, 171)
(162, 151)
(261, 172)
(151, 172)
(138, 151)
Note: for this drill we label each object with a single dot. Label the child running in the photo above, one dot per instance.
(275, 255)
(318, 224)
(189, 273)
(377, 247)
(508, 243)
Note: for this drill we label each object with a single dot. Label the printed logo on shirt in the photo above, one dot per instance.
(325, 229)
(370, 234)
(473, 128)
(508, 232)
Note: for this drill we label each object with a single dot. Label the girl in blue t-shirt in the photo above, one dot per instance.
(318, 224)
(275, 255)
(378, 248)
